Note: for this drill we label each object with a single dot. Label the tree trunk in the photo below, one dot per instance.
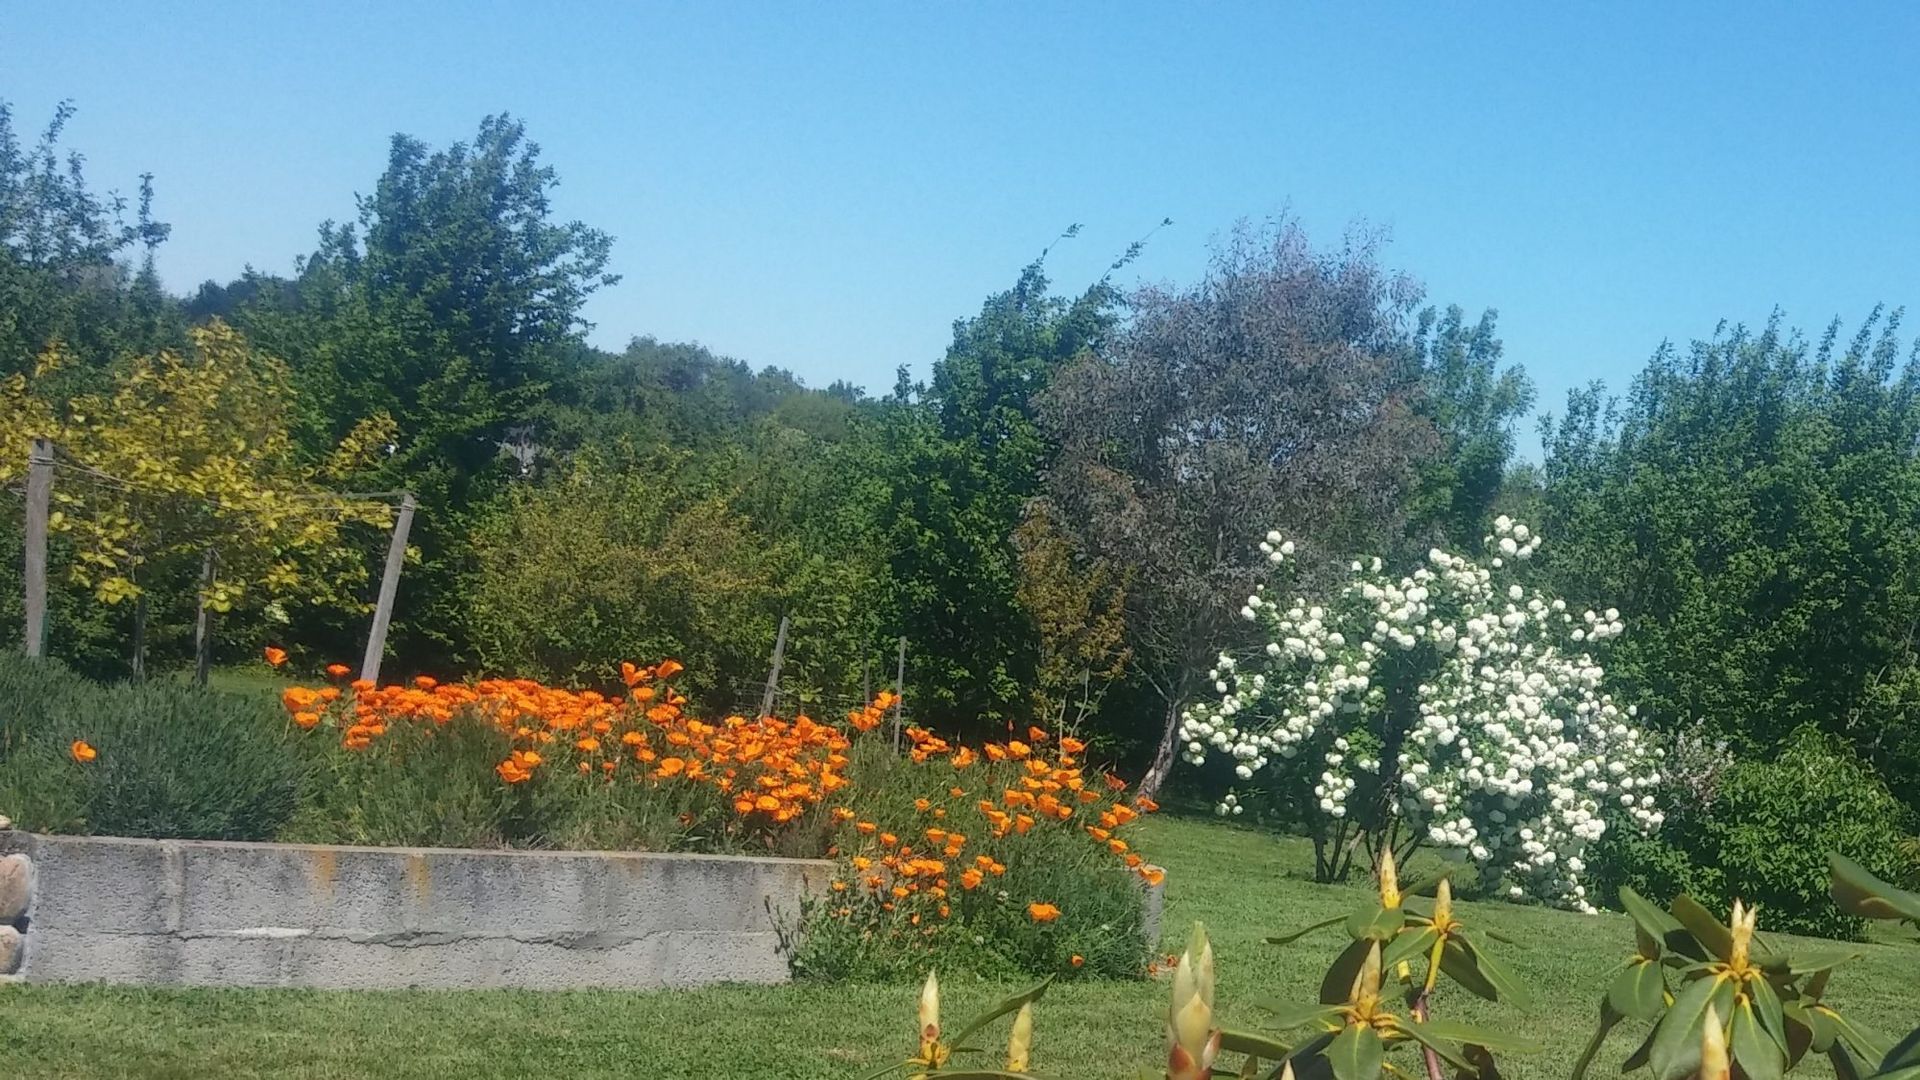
(140, 638)
(1164, 755)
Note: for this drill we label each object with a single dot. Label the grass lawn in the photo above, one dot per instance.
(1243, 884)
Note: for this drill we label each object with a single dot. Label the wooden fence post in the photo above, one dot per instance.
(203, 623)
(389, 588)
(773, 675)
(899, 692)
(39, 498)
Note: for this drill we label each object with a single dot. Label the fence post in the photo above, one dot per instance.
(203, 623)
(899, 692)
(39, 497)
(389, 588)
(773, 675)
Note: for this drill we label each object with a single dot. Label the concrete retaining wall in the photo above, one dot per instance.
(188, 912)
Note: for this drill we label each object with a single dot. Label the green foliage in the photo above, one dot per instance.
(173, 760)
(1750, 509)
(1759, 1003)
(1765, 837)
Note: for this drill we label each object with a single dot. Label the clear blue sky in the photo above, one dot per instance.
(825, 187)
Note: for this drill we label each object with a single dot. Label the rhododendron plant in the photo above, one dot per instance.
(1452, 707)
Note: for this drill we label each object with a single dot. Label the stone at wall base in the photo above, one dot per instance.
(12, 945)
(16, 886)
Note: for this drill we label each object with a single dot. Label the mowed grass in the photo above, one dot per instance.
(1244, 884)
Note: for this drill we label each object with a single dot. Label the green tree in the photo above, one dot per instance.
(1753, 506)
(449, 305)
(965, 455)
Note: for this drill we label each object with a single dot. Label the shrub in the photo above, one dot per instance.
(1775, 820)
(161, 759)
(1451, 707)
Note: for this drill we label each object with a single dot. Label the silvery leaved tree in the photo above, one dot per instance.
(1452, 707)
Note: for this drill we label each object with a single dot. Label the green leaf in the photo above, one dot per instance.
(1454, 1054)
(1509, 987)
(1012, 1004)
(1753, 1047)
(1639, 991)
(1704, 926)
(1247, 1042)
(1337, 986)
(1609, 1017)
(1639, 1058)
(1911, 1072)
(1376, 923)
(1799, 1032)
(1825, 1031)
(1457, 960)
(1467, 1035)
(982, 1074)
(1858, 892)
(1290, 1017)
(885, 1069)
(1905, 1053)
(1769, 1010)
(1676, 1042)
(1864, 1040)
(1356, 1053)
(1796, 965)
(1844, 1067)
(1649, 921)
(1409, 945)
(1288, 939)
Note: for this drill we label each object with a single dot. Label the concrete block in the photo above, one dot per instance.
(105, 884)
(16, 886)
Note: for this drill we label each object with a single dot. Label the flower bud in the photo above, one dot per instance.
(1713, 1049)
(1020, 1042)
(1443, 904)
(1389, 880)
(1193, 1042)
(930, 1017)
(1743, 923)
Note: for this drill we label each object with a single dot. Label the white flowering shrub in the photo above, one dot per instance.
(1452, 708)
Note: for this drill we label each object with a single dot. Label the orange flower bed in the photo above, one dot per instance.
(916, 845)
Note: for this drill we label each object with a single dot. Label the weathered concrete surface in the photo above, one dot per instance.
(233, 914)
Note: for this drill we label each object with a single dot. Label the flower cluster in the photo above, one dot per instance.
(1004, 790)
(1444, 700)
(770, 770)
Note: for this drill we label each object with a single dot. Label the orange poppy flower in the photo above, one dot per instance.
(1042, 913)
(971, 878)
(276, 655)
(338, 671)
(82, 752)
(1077, 960)
(667, 669)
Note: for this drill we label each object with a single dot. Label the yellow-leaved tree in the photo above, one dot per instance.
(189, 452)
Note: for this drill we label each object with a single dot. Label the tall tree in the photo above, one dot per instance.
(448, 306)
(1753, 507)
(966, 455)
(1281, 391)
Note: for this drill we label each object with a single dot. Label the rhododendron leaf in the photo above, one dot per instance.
(1609, 1018)
(1289, 1017)
(1865, 1041)
(1356, 1053)
(1753, 1047)
(1769, 1010)
(1247, 1042)
(1708, 930)
(1337, 986)
(1375, 923)
(1453, 1053)
(1859, 892)
(1468, 1035)
(1459, 964)
(1639, 991)
(1408, 945)
(1640, 1057)
(1904, 1055)
(1288, 939)
(1811, 963)
(1012, 1004)
(1510, 988)
(1649, 920)
(1844, 1066)
(1676, 1042)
